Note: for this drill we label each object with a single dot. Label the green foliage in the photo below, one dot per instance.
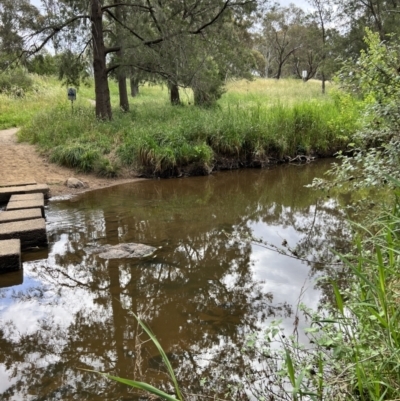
(106, 168)
(44, 64)
(141, 386)
(16, 111)
(72, 70)
(15, 82)
(83, 157)
(374, 153)
(375, 78)
(17, 19)
(156, 139)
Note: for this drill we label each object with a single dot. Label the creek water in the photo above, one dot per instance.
(204, 290)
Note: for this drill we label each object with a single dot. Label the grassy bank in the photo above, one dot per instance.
(17, 110)
(253, 124)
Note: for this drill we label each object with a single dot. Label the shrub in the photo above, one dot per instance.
(106, 168)
(82, 157)
(15, 82)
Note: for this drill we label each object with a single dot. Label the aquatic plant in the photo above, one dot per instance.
(145, 386)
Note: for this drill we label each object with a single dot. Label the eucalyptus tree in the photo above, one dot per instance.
(16, 17)
(188, 59)
(308, 58)
(279, 32)
(322, 17)
(226, 54)
(83, 24)
(382, 16)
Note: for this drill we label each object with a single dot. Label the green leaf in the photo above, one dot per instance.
(163, 355)
(140, 385)
(338, 297)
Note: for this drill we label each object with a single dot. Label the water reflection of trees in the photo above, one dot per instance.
(198, 293)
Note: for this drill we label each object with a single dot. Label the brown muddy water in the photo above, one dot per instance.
(202, 293)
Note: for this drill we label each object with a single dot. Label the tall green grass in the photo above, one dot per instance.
(266, 122)
(16, 111)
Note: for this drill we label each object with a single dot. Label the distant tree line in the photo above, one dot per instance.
(197, 44)
(290, 40)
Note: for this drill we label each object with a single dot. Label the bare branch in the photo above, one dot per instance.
(112, 68)
(124, 25)
(54, 30)
(85, 47)
(112, 49)
(153, 16)
(220, 12)
(105, 8)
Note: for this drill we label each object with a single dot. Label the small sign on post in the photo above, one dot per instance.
(72, 96)
(304, 74)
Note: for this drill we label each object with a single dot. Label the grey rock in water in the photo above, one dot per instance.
(123, 251)
(74, 183)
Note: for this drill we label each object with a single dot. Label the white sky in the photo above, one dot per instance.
(299, 3)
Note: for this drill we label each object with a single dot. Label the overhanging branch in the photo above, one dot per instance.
(54, 30)
(112, 49)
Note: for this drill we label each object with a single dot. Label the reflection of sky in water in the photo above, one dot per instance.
(71, 229)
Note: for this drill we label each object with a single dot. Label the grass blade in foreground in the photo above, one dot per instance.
(140, 385)
(163, 355)
(145, 386)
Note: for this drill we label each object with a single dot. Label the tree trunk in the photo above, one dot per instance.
(279, 72)
(174, 94)
(123, 92)
(134, 86)
(323, 83)
(102, 92)
(121, 74)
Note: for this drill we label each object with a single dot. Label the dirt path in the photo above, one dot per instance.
(21, 161)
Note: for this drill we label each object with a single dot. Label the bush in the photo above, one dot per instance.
(82, 157)
(106, 168)
(15, 82)
(374, 154)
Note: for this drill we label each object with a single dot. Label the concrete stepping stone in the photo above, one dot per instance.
(19, 215)
(35, 254)
(26, 204)
(24, 197)
(18, 183)
(12, 278)
(7, 192)
(32, 233)
(10, 255)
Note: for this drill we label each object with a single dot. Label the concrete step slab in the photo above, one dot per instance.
(25, 197)
(20, 183)
(32, 233)
(35, 254)
(7, 192)
(26, 204)
(12, 278)
(10, 255)
(20, 215)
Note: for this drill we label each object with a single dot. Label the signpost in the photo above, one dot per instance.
(72, 96)
(304, 75)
